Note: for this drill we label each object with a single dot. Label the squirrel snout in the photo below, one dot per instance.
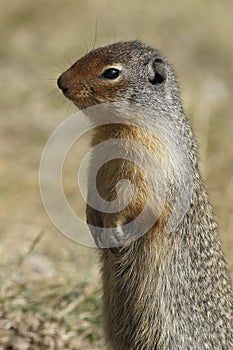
(62, 85)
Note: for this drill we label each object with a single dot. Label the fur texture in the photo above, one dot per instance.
(165, 290)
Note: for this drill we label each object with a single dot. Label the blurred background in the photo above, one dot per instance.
(50, 288)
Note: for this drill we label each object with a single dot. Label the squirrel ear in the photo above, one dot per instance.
(157, 71)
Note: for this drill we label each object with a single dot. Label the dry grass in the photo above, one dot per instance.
(56, 318)
(50, 290)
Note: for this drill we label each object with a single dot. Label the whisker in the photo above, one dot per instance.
(68, 61)
(61, 69)
(86, 45)
(61, 104)
(95, 37)
(59, 96)
(68, 107)
(50, 79)
(52, 92)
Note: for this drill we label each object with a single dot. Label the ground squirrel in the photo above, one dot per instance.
(164, 290)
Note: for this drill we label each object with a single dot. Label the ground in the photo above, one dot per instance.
(50, 286)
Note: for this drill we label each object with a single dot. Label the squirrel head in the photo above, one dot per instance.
(124, 71)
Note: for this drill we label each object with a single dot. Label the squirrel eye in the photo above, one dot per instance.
(111, 73)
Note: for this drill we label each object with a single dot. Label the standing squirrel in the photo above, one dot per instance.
(165, 290)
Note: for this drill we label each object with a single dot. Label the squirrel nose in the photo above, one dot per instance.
(62, 85)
